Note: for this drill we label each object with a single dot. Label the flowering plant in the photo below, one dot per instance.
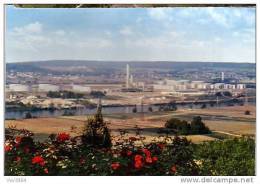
(63, 154)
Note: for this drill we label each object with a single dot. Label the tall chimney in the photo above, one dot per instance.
(127, 75)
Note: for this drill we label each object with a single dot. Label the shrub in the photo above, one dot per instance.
(182, 127)
(64, 94)
(63, 155)
(97, 94)
(96, 132)
(233, 157)
(198, 127)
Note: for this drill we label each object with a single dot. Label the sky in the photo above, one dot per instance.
(131, 34)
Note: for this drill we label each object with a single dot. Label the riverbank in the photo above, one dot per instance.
(12, 114)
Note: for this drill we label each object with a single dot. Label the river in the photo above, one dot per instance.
(11, 114)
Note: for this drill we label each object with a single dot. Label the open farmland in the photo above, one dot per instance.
(229, 120)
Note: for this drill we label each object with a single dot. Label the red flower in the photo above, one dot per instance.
(115, 165)
(38, 160)
(155, 159)
(63, 137)
(138, 161)
(18, 139)
(46, 170)
(18, 159)
(149, 160)
(129, 153)
(147, 152)
(133, 139)
(7, 148)
(174, 169)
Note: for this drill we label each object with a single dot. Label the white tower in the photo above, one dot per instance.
(222, 76)
(127, 75)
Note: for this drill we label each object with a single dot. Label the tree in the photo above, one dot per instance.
(97, 94)
(96, 132)
(198, 127)
(180, 126)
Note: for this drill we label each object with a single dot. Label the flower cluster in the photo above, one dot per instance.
(63, 155)
(38, 160)
(63, 137)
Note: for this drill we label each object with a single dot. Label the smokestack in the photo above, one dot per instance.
(127, 75)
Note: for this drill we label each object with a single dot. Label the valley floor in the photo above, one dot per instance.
(228, 121)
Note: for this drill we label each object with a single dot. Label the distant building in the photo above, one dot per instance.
(18, 88)
(48, 87)
(241, 86)
(81, 88)
(222, 76)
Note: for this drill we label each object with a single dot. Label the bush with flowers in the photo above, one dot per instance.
(65, 155)
(96, 152)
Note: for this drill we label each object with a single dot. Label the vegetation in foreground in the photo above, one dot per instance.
(64, 155)
(95, 152)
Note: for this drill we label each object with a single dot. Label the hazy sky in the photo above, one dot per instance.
(166, 34)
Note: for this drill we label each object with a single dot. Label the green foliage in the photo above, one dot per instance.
(235, 157)
(62, 155)
(96, 132)
(180, 154)
(97, 94)
(64, 94)
(182, 127)
(198, 127)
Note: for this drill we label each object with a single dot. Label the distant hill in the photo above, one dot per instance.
(103, 67)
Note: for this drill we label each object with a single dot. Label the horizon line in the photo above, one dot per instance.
(101, 60)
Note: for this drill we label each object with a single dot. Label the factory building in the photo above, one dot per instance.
(169, 85)
(18, 88)
(81, 88)
(48, 87)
